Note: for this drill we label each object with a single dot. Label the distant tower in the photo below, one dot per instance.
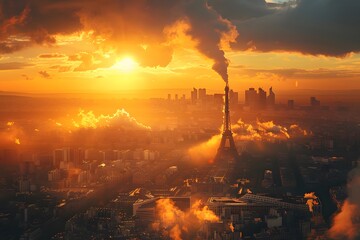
(227, 150)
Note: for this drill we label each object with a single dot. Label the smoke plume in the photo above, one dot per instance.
(205, 151)
(231, 226)
(311, 200)
(346, 224)
(178, 224)
(209, 29)
(266, 131)
(260, 131)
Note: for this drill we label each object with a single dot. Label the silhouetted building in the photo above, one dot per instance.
(251, 97)
(271, 98)
(233, 98)
(58, 157)
(27, 169)
(218, 99)
(314, 102)
(194, 95)
(68, 155)
(262, 98)
(202, 94)
(258, 99)
(291, 104)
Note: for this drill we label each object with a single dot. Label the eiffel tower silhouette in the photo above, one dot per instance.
(227, 149)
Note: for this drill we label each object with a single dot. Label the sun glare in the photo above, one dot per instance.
(126, 65)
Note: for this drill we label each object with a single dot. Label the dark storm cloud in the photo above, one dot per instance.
(35, 21)
(241, 9)
(13, 46)
(295, 73)
(317, 27)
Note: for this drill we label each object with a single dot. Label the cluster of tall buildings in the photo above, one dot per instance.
(200, 96)
(254, 99)
(259, 99)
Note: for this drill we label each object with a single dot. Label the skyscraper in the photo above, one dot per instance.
(202, 94)
(194, 95)
(261, 98)
(251, 97)
(271, 98)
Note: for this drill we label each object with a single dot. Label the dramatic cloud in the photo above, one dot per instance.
(260, 131)
(82, 128)
(120, 118)
(23, 23)
(138, 28)
(141, 28)
(317, 27)
(266, 131)
(120, 27)
(241, 9)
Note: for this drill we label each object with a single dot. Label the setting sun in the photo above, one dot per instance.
(126, 65)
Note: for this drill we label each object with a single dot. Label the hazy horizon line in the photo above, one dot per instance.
(210, 90)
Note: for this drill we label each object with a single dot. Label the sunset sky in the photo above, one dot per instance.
(80, 46)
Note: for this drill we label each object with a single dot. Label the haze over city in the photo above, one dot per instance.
(181, 119)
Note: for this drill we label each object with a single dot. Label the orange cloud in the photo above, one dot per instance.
(346, 224)
(261, 131)
(178, 224)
